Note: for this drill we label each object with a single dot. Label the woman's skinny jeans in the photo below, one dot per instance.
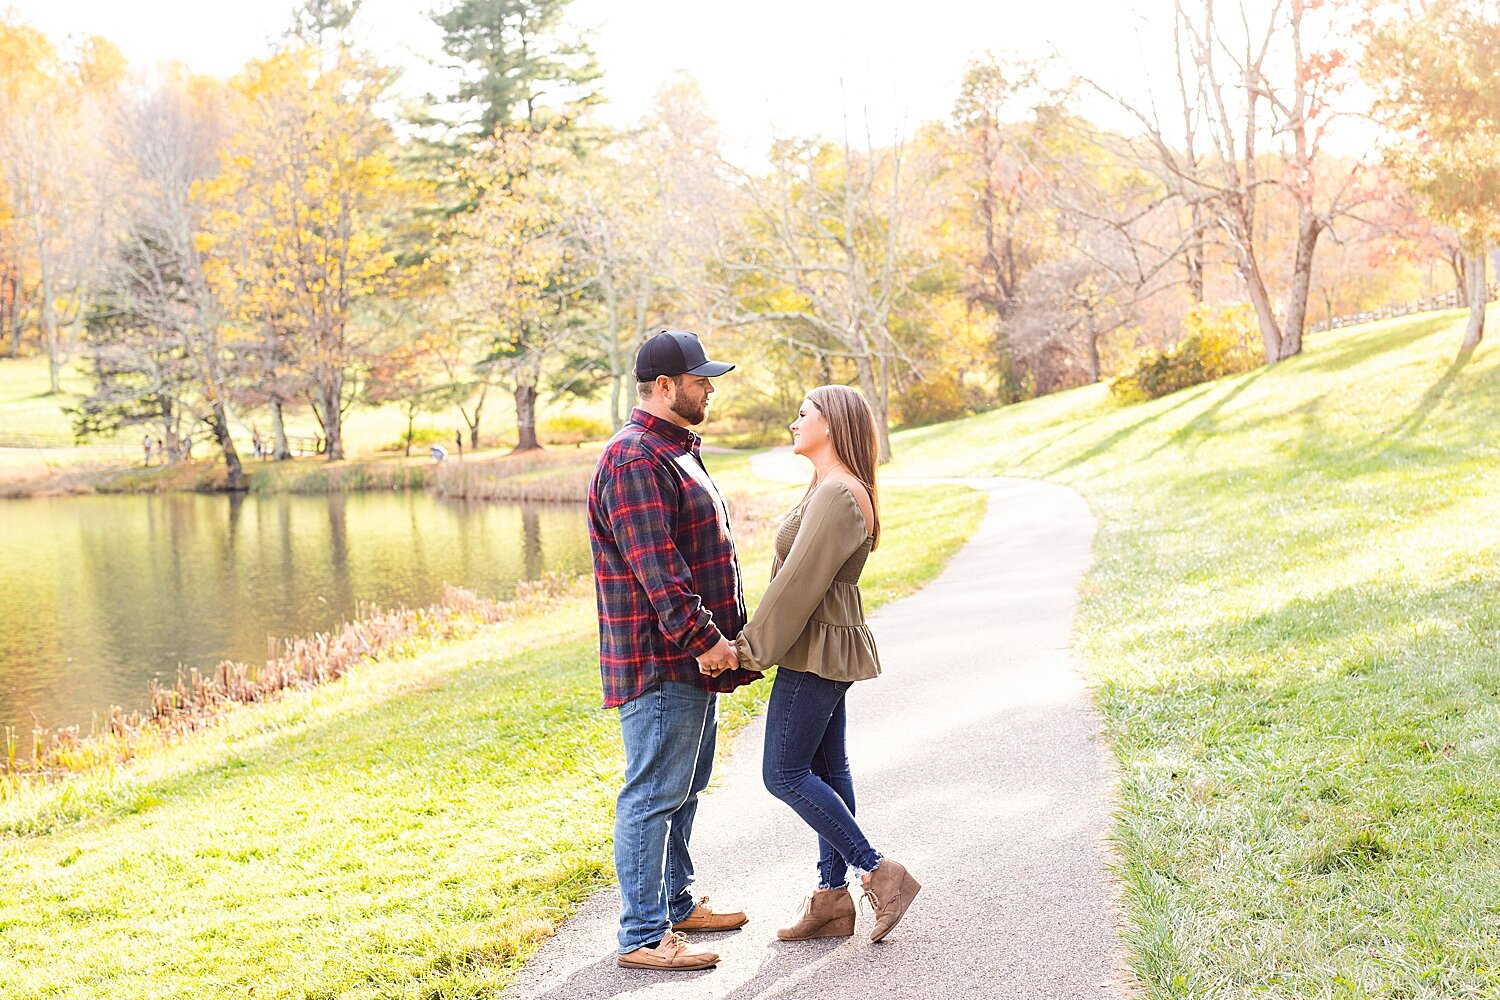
(806, 766)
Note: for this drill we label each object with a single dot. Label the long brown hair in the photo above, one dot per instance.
(855, 441)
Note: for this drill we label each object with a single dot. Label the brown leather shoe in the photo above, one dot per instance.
(890, 890)
(705, 919)
(672, 953)
(826, 913)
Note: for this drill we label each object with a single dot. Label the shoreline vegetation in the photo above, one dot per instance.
(199, 699)
(557, 474)
(550, 475)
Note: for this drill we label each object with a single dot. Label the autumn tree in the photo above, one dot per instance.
(158, 332)
(1436, 72)
(1261, 84)
(1405, 232)
(298, 229)
(648, 217)
(12, 290)
(52, 111)
(515, 270)
(1001, 119)
(25, 55)
(831, 251)
(409, 374)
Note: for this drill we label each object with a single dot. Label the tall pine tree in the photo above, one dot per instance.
(521, 64)
(527, 80)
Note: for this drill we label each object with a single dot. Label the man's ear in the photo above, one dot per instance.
(664, 386)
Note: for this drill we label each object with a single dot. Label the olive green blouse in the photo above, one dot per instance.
(812, 617)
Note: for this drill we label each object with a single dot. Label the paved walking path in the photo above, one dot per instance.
(977, 764)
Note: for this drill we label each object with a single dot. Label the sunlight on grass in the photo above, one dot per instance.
(1293, 629)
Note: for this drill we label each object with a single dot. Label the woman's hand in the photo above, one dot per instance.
(719, 659)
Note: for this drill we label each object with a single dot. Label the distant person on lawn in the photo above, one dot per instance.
(812, 623)
(668, 584)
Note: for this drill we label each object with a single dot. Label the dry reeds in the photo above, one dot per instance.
(199, 698)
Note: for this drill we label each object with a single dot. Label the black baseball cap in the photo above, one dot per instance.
(675, 352)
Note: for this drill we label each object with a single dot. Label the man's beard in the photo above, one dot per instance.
(693, 413)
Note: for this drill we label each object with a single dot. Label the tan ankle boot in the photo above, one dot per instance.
(826, 913)
(890, 890)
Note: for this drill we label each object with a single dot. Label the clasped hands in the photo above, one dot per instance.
(720, 658)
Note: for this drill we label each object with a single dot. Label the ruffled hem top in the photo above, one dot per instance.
(812, 617)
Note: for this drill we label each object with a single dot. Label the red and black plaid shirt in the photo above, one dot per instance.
(665, 569)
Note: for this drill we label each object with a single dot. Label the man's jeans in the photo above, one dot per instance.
(806, 766)
(669, 734)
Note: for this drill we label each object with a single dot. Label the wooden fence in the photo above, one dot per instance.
(1448, 300)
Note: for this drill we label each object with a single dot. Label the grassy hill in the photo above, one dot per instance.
(1293, 629)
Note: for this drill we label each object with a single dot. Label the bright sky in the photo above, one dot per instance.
(778, 67)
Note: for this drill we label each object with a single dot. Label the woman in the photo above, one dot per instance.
(811, 622)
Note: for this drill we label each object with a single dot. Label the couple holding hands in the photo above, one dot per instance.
(674, 633)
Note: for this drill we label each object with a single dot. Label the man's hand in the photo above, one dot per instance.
(719, 659)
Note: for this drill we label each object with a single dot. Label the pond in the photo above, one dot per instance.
(100, 594)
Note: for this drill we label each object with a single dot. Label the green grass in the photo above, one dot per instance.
(28, 410)
(410, 831)
(1293, 630)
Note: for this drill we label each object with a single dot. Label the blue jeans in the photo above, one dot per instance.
(807, 766)
(669, 733)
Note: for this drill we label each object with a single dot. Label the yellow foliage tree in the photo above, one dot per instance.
(26, 57)
(52, 114)
(299, 230)
(1437, 73)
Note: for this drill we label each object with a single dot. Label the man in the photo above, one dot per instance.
(670, 600)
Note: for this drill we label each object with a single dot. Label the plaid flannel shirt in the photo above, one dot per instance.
(665, 569)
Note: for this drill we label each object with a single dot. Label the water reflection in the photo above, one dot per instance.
(99, 594)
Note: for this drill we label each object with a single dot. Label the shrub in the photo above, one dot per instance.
(1220, 340)
(754, 420)
(571, 429)
(422, 437)
(930, 401)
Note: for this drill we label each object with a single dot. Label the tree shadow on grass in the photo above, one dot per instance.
(1351, 627)
(1206, 421)
(1430, 401)
(1053, 441)
(1186, 396)
(1352, 349)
